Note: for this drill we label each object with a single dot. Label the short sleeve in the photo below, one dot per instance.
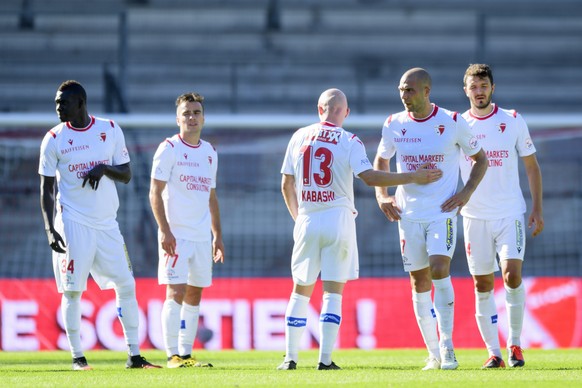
(288, 165)
(214, 167)
(358, 158)
(120, 154)
(465, 138)
(386, 149)
(163, 161)
(524, 146)
(48, 161)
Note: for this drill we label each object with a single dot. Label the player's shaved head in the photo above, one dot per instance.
(332, 99)
(333, 106)
(419, 75)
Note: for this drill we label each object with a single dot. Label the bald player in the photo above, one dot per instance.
(317, 186)
(427, 215)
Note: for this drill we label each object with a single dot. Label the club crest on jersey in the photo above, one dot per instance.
(502, 127)
(440, 129)
(210, 160)
(70, 141)
(103, 136)
(403, 130)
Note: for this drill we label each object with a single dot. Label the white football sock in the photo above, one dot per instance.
(486, 316)
(188, 327)
(171, 325)
(329, 323)
(295, 321)
(426, 319)
(444, 304)
(515, 305)
(128, 314)
(71, 311)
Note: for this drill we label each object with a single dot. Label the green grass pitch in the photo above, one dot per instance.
(376, 368)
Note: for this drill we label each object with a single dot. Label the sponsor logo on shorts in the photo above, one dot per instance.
(296, 322)
(433, 313)
(330, 318)
(518, 235)
(450, 234)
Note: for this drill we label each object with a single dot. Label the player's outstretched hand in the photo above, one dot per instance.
(390, 209)
(423, 175)
(55, 241)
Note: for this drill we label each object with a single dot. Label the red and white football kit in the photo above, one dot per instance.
(324, 159)
(437, 139)
(190, 174)
(86, 218)
(494, 216)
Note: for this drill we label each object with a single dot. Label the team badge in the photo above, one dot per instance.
(103, 136)
(502, 127)
(440, 129)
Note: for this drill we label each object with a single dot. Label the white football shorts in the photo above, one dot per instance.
(485, 238)
(325, 241)
(420, 240)
(99, 252)
(192, 264)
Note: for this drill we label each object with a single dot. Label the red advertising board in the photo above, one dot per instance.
(248, 313)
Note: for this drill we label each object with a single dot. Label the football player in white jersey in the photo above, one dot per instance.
(85, 155)
(184, 202)
(493, 219)
(427, 215)
(317, 186)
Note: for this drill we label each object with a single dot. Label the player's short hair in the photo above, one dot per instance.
(190, 97)
(75, 87)
(480, 70)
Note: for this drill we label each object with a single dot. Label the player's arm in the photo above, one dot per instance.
(534, 177)
(290, 195)
(217, 244)
(460, 199)
(386, 202)
(167, 239)
(421, 176)
(119, 173)
(47, 206)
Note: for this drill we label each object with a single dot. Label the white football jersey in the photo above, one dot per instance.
(324, 159)
(505, 137)
(69, 154)
(436, 139)
(190, 174)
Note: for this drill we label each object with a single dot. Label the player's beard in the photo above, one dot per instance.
(485, 103)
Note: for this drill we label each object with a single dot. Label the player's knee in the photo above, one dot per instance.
(512, 279)
(126, 290)
(72, 295)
